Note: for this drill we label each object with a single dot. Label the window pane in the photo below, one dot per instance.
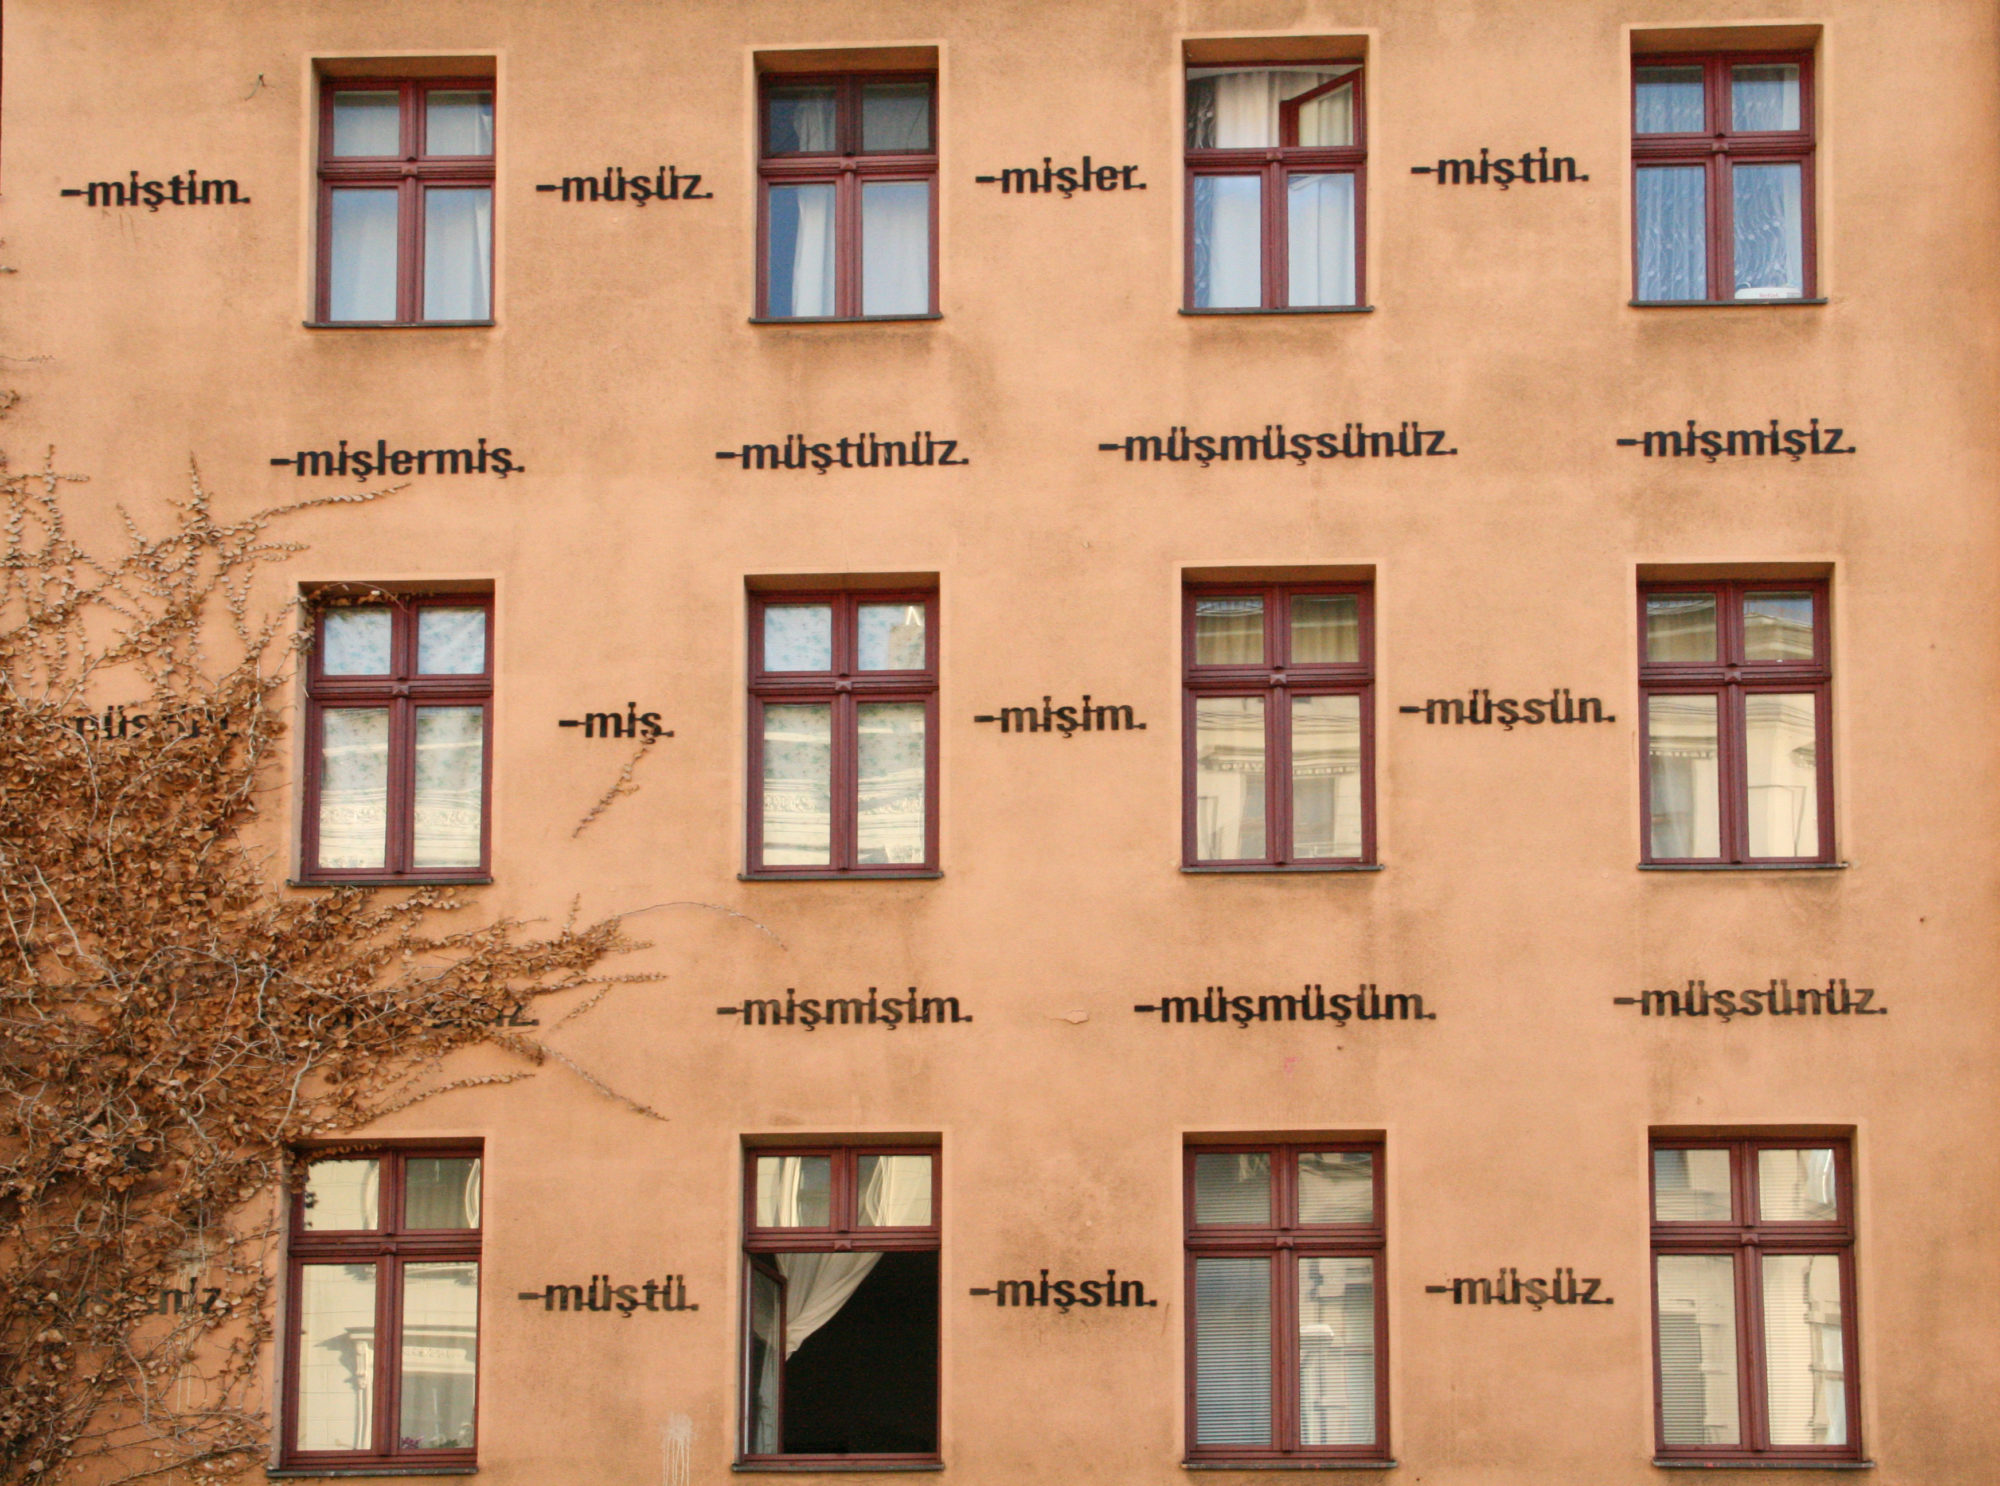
(1668, 100)
(1238, 108)
(896, 117)
(367, 124)
(1327, 119)
(354, 642)
(798, 763)
(1796, 1186)
(1232, 1187)
(1764, 97)
(458, 122)
(767, 1306)
(1229, 632)
(458, 253)
(895, 1192)
(1232, 1351)
(342, 1195)
(1681, 754)
(1697, 1345)
(1781, 755)
(336, 1344)
(354, 787)
(891, 637)
(362, 280)
(801, 120)
(895, 247)
(441, 1192)
(1770, 231)
(1691, 1187)
(1673, 232)
(451, 642)
(1777, 626)
(1680, 627)
(800, 268)
(1326, 629)
(440, 1355)
(1336, 1187)
(890, 760)
(1319, 217)
(794, 1192)
(1326, 777)
(1336, 1351)
(450, 794)
(860, 1375)
(798, 637)
(1805, 1358)
(1229, 778)
(1228, 242)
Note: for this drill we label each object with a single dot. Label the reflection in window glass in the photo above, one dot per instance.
(1680, 628)
(342, 1195)
(1232, 1187)
(895, 118)
(895, 1191)
(1228, 242)
(1232, 1351)
(798, 769)
(441, 1192)
(1326, 777)
(458, 253)
(1326, 629)
(890, 765)
(1781, 752)
(800, 120)
(1336, 1351)
(1796, 1186)
(1805, 1355)
(1336, 1187)
(800, 265)
(1777, 626)
(336, 1350)
(1697, 1349)
(1319, 217)
(794, 1192)
(890, 637)
(1229, 778)
(1229, 631)
(1682, 760)
(1691, 1186)
(440, 1355)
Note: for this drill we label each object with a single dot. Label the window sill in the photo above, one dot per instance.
(399, 324)
(838, 876)
(327, 882)
(327, 1472)
(1765, 1465)
(1256, 869)
(1289, 1465)
(1744, 866)
(1719, 304)
(835, 320)
(1317, 309)
(790, 1467)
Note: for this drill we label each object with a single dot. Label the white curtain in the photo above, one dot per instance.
(801, 250)
(1673, 232)
(896, 248)
(1235, 109)
(458, 253)
(1770, 231)
(1228, 242)
(1319, 212)
(364, 255)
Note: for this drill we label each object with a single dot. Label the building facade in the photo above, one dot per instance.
(1522, 1011)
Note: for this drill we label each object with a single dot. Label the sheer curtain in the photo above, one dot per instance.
(1320, 214)
(1673, 232)
(1237, 109)
(801, 250)
(1767, 202)
(896, 247)
(458, 253)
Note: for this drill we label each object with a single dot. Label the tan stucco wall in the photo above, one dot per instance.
(1516, 1123)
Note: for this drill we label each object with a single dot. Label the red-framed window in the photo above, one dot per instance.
(1753, 1300)
(840, 1324)
(843, 734)
(1737, 692)
(847, 225)
(1722, 177)
(1288, 1325)
(399, 728)
(405, 201)
(382, 1315)
(1276, 166)
(1279, 725)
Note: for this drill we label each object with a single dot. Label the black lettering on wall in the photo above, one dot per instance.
(863, 451)
(631, 723)
(1509, 1288)
(364, 463)
(189, 189)
(1110, 1293)
(1481, 710)
(1713, 444)
(811, 1012)
(1063, 180)
(1087, 717)
(665, 183)
(1529, 168)
(669, 1294)
(1779, 998)
(1411, 440)
(1216, 1007)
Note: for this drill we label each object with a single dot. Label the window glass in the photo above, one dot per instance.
(1697, 1349)
(798, 787)
(895, 117)
(458, 122)
(1769, 218)
(1682, 762)
(1229, 768)
(1781, 755)
(766, 1360)
(1326, 777)
(1764, 96)
(1796, 1186)
(1326, 629)
(1232, 1187)
(1805, 1356)
(1232, 1351)
(1672, 231)
(1668, 100)
(441, 1192)
(336, 1351)
(1337, 1187)
(800, 119)
(1228, 242)
(450, 786)
(798, 637)
(895, 1191)
(895, 247)
(451, 642)
(354, 642)
(890, 764)
(367, 123)
(363, 254)
(342, 1195)
(354, 788)
(1336, 1351)
(440, 1355)
(890, 637)
(1319, 218)
(1238, 108)
(800, 277)
(1680, 628)
(1229, 631)
(1777, 626)
(458, 253)
(1691, 1186)
(794, 1191)
(1327, 120)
